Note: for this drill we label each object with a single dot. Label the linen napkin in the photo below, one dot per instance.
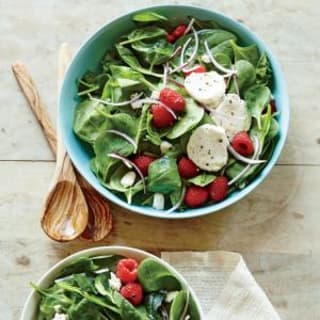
(224, 285)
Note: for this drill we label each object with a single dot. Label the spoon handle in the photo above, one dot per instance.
(35, 102)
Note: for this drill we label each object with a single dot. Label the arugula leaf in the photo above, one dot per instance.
(250, 53)
(192, 116)
(131, 60)
(148, 16)
(263, 70)
(163, 176)
(257, 98)
(146, 33)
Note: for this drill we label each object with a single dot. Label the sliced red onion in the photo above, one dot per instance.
(126, 137)
(241, 158)
(118, 104)
(246, 168)
(228, 72)
(178, 204)
(175, 52)
(190, 25)
(184, 48)
(127, 161)
(140, 102)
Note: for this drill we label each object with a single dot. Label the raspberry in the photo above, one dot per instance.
(143, 162)
(171, 38)
(132, 292)
(172, 99)
(162, 118)
(242, 143)
(197, 69)
(195, 196)
(127, 270)
(179, 31)
(218, 188)
(187, 169)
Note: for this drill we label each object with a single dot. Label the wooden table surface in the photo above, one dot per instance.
(276, 227)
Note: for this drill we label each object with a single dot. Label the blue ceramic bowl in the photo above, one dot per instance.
(88, 57)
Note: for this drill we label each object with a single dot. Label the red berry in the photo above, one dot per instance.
(172, 99)
(187, 168)
(242, 143)
(162, 118)
(195, 196)
(179, 31)
(218, 188)
(171, 38)
(127, 270)
(143, 162)
(196, 69)
(132, 292)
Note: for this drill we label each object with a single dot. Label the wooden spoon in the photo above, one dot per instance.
(99, 220)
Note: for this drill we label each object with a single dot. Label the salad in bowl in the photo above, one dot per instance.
(174, 111)
(112, 283)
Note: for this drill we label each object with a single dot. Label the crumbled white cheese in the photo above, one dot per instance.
(158, 201)
(207, 147)
(128, 179)
(155, 94)
(114, 282)
(165, 146)
(205, 58)
(170, 296)
(60, 316)
(232, 114)
(207, 88)
(187, 317)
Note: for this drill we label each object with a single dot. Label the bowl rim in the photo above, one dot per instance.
(100, 250)
(196, 212)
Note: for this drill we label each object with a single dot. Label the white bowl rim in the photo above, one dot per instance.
(100, 250)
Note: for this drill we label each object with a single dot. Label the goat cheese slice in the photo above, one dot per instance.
(232, 114)
(207, 147)
(207, 88)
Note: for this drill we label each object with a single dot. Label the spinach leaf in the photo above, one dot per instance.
(274, 129)
(163, 176)
(223, 59)
(148, 16)
(101, 283)
(127, 77)
(115, 178)
(152, 135)
(153, 276)
(134, 190)
(179, 306)
(192, 116)
(142, 124)
(246, 77)
(154, 53)
(129, 312)
(202, 179)
(88, 123)
(146, 33)
(131, 60)
(224, 48)
(217, 36)
(250, 53)
(263, 70)
(84, 310)
(257, 98)
(153, 303)
(92, 82)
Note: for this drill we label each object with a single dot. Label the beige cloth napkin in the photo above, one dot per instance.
(223, 284)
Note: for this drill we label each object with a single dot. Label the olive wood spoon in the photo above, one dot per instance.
(100, 219)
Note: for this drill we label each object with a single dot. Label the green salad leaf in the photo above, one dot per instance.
(163, 176)
(202, 179)
(146, 33)
(148, 16)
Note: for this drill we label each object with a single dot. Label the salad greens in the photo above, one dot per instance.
(116, 119)
(86, 290)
